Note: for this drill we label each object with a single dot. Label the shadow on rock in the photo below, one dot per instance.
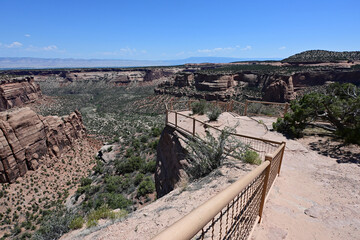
(341, 152)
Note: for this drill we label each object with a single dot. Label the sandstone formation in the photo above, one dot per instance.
(17, 92)
(203, 86)
(170, 161)
(117, 76)
(274, 87)
(219, 82)
(26, 138)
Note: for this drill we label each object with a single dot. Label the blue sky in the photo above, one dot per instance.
(161, 30)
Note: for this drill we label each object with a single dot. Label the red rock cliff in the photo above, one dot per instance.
(26, 138)
(17, 92)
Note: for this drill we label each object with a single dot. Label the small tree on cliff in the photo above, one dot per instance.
(209, 153)
(339, 104)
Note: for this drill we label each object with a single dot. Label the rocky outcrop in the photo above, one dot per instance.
(170, 161)
(26, 138)
(17, 92)
(201, 86)
(210, 82)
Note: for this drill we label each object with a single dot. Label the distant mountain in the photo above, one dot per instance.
(33, 63)
(318, 56)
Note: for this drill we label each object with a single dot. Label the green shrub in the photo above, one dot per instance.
(85, 182)
(338, 104)
(99, 168)
(145, 187)
(102, 212)
(208, 154)
(199, 107)
(77, 223)
(155, 131)
(214, 113)
(139, 177)
(154, 144)
(129, 165)
(252, 157)
(113, 200)
(55, 224)
(113, 184)
(149, 167)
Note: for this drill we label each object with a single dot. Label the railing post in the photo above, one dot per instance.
(246, 106)
(189, 105)
(282, 155)
(171, 105)
(193, 126)
(232, 105)
(167, 117)
(266, 182)
(175, 119)
(286, 108)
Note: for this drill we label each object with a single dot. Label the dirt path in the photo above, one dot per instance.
(315, 197)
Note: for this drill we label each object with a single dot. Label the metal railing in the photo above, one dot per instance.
(260, 108)
(249, 108)
(234, 212)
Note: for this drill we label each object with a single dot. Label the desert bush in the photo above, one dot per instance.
(85, 182)
(139, 177)
(155, 131)
(199, 107)
(99, 167)
(146, 186)
(113, 200)
(214, 113)
(77, 223)
(208, 154)
(54, 225)
(129, 165)
(149, 167)
(252, 157)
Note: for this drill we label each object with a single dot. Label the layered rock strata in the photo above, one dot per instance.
(17, 92)
(274, 87)
(27, 138)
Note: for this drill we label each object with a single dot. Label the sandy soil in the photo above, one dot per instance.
(315, 197)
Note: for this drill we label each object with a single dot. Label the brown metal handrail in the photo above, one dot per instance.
(188, 226)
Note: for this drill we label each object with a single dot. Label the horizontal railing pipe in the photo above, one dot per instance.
(192, 223)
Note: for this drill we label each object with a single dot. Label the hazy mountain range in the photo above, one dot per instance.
(29, 62)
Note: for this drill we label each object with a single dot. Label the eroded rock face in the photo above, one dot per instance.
(206, 82)
(17, 92)
(170, 161)
(25, 138)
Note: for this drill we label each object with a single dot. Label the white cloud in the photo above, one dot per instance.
(215, 50)
(124, 52)
(50, 48)
(246, 48)
(32, 48)
(224, 49)
(14, 45)
(27, 35)
(282, 48)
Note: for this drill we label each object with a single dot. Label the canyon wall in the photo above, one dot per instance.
(274, 87)
(27, 138)
(17, 92)
(115, 76)
(170, 161)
